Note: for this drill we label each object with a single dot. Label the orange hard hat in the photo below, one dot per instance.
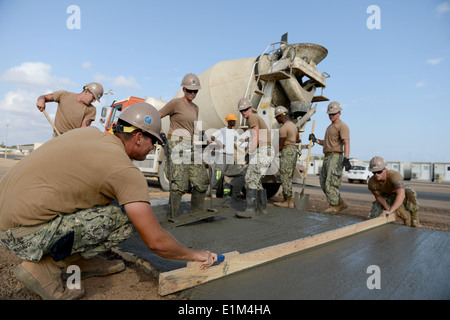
(230, 116)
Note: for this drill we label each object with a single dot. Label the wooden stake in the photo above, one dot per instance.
(192, 275)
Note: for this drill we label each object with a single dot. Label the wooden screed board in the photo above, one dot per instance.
(192, 275)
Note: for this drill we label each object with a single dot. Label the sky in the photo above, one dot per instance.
(389, 61)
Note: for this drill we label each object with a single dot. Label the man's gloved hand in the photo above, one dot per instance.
(347, 164)
(312, 137)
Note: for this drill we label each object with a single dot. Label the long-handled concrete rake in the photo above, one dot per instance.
(301, 201)
(51, 122)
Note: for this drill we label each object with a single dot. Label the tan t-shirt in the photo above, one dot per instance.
(289, 132)
(334, 136)
(70, 112)
(78, 170)
(182, 117)
(256, 121)
(388, 187)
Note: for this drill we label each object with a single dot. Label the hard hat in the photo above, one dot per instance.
(230, 116)
(280, 110)
(96, 89)
(376, 164)
(144, 116)
(244, 103)
(334, 107)
(191, 82)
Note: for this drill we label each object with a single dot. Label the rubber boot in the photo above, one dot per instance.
(262, 201)
(415, 220)
(175, 201)
(251, 205)
(226, 203)
(44, 278)
(197, 201)
(404, 215)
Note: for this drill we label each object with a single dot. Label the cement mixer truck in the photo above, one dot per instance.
(284, 74)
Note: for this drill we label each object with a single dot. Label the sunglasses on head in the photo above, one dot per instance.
(190, 91)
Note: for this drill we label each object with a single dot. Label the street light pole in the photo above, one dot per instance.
(6, 139)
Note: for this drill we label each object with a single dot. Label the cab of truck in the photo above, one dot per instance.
(115, 109)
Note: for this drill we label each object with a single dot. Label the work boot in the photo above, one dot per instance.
(251, 205)
(404, 215)
(341, 205)
(287, 203)
(44, 278)
(98, 266)
(175, 201)
(262, 201)
(332, 209)
(197, 201)
(415, 220)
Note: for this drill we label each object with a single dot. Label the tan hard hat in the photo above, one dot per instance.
(144, 116)
(191, 82)
(334, 107)
(377, 164)
(280, 110)
(96, 89)
(244, 103)
(230, 116)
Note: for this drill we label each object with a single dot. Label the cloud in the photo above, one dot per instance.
(34, 74)
(119, 81)
(86, 65)
(420, 84)
(434, 62)
(443, 7)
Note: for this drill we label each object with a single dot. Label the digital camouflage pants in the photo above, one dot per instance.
(288, 162)
(410, 203)
(260, 161)
(331, 177)
(186, 167)
(96, 230)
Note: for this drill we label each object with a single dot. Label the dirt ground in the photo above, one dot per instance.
(136, 282)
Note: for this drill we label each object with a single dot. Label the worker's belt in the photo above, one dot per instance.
(289, 146)
(20, 232)
(332, 153)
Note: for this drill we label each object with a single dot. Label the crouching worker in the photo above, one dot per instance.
(79, 195)
(391, 194)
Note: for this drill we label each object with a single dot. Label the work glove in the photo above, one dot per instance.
(312, 137)
(347, 164)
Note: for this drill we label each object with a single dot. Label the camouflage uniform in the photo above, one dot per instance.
(410, 203)
(331, 177)
(259, 163)
(186, 166)
(288, 162)
(96, 230)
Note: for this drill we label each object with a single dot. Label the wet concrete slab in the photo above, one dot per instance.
(412, 263)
